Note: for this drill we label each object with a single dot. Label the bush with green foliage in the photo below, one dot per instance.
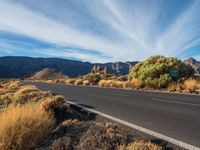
(93, 77)
(159, 71)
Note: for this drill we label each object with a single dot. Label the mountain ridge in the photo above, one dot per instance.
(22, 67)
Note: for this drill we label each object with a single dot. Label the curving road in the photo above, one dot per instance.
(174, 115)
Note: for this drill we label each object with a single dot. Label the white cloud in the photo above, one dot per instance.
(136, 25)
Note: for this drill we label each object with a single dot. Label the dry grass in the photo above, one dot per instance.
(104, 83)
(70, 81)
(101, 136)
(140, 145)
(191, 84)
(11, 85)
(20, 96)
(78, 82)
(173, 87)
(127, 84)
(136, 83)
(116, 84)
(24, 127)
(86, 82)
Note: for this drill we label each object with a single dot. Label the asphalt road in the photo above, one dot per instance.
(174, 115)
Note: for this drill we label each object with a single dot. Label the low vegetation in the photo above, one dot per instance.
(155, 73)
(34, 119)
(24, 127)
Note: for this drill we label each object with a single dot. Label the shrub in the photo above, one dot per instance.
(175, 86)
(20, 96)
(136, 83)
(78, 82)
(104, 83)
(70, 81)
(127, 84)
(86, 82)
(12, 85)
(93, 77)
(101, 137)
(140, 145)
(116, 84)
(5, 99)
(191, 84)
(56, 106)
(159, 71)
(24, 127)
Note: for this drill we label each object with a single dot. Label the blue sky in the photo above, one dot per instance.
(100, 30)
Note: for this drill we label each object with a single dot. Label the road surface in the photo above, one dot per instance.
(173, 115)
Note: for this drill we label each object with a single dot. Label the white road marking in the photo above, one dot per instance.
(144, 130)
(168, 101)
(113, 94)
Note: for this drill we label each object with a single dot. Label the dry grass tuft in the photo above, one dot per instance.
(191, 84)
(78, 82)
(140, 145)
(116, 84)
(136, 83)
(70, 81)
(57, 106)
(5, 99)
(22, 94)
(101, 136)
(24, 127)
(127, 84)
(86, 82)
(104, 83)
(12, 85)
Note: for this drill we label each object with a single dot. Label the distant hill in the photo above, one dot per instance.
(194, 63)
(22, 67)
(48, 73)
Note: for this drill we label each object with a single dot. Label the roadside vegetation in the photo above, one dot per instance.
(34, 119)
(155, 73)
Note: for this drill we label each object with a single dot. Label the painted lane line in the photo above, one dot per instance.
(168, 101)
(113, 94)
(144, 130)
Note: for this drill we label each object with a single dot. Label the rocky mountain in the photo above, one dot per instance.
(194, 63)
(21, 67)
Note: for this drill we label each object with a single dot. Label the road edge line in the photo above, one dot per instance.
(144, 130)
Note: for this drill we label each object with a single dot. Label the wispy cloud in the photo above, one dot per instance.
(113, 29)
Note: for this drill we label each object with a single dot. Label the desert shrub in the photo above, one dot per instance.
(116, 84)
(122, 78)
(24, 127)
(2, 90)
(127, 84)
(78, 82)
(191, 84)
(159, 71)
(5, 99)
(93, 77)
(140, 145)
(101, 136)
(176, 86)
(70, 81)
(12, 85)
(57, 106)
(104, 83)
(22, 95)
(86, 82)
(136, 83)
(49, 81)
(62, 143)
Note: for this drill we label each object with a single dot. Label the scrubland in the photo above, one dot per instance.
(155, 73)
(34, 119)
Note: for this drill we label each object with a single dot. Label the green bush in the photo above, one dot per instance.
(93, 77)
(159, 71)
